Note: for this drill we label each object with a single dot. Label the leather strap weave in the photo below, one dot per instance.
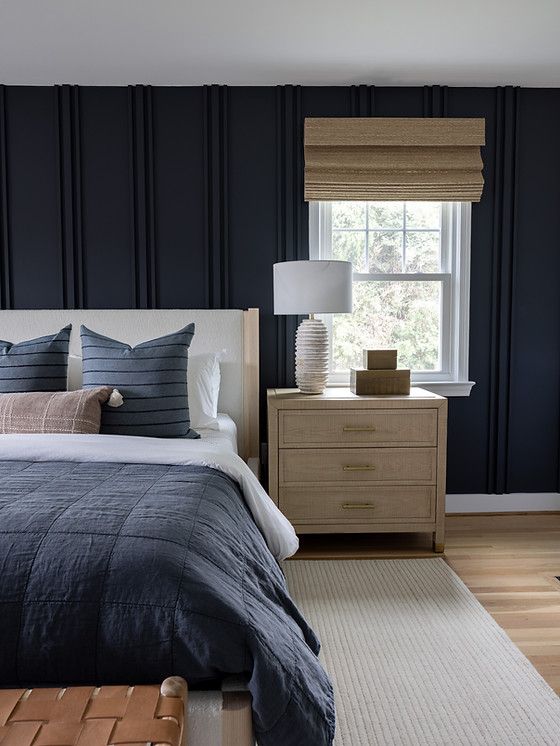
(87, 716)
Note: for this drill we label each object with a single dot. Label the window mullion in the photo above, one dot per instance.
(447, 240)
(401, 277)
(403, 264)
(389, 229)
(326, 230)
(367, 235)
(446, 339)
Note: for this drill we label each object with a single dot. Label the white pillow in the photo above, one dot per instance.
(74, 373)
(203, 384)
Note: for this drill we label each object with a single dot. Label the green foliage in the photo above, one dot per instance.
(389, 237)
(401, 315)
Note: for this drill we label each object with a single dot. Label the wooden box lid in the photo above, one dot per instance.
(380, 359)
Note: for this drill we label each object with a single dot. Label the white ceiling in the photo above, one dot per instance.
(266, 42)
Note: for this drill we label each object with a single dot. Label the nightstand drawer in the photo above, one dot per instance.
(346, 465)
(358, 504)
(325, 428)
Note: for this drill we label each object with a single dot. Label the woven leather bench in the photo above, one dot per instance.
(89, 716)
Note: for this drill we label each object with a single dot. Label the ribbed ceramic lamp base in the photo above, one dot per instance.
(312, 356)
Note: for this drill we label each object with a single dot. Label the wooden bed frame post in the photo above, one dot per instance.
(250, 448)
(237, 719)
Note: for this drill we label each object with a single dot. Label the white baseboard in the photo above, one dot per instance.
(517, 502)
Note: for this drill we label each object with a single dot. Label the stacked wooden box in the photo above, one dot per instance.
(380, 375)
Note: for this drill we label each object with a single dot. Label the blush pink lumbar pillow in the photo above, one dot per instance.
(61, 412)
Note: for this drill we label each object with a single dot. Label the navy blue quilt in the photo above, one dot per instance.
(128, 573)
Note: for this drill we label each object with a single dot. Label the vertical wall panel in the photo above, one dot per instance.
(503, 254)
(252, 200)
(534, 350)
(320, 101)
(108, 217)
(32, 174)
(5, 279)
(252, 212)
(179, 198)
(399, 102)
(468, 443)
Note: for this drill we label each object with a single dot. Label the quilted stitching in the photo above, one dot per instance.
(128, 573)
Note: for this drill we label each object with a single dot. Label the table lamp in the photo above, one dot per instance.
(310, 287)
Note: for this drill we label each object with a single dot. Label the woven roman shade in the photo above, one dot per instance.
(378, 158)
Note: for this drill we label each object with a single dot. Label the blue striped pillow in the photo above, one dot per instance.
(36, 364)
(152, 377)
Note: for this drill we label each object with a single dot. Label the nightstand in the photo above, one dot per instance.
(341, 463)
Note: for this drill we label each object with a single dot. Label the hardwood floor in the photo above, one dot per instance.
(509, 562)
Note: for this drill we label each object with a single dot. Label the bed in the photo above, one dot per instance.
(126, 559)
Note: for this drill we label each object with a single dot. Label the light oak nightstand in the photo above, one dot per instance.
(341, 463)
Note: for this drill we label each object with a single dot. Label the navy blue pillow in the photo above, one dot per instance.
(35, 365)
(152, 377)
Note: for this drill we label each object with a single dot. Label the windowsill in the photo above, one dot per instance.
(443, 388)
(447, 388)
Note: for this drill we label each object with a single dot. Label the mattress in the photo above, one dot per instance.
(277, 530)
(225, 437)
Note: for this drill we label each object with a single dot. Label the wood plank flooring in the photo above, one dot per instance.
(509, 562)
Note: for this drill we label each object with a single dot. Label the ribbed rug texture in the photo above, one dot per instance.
(415, 659)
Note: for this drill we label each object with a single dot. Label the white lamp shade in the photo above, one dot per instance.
(313, 286)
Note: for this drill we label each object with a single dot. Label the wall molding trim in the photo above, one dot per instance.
(362, 100)
(517, 502)
(504, 255)
(216, 193)
(435, 100)
(141, 142)
(69, 187)
(291, 211)
(5, 284)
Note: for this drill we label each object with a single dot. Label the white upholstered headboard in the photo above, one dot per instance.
(235, 332)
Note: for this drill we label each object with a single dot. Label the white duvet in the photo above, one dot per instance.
(277, 530)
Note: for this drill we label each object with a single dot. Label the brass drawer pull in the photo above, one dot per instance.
(358, 506)
(363, 467)
(348, 429)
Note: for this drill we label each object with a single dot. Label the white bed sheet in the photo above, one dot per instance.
(223, 437)
(277, 530)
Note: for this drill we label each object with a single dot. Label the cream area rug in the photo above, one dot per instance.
(416, 660)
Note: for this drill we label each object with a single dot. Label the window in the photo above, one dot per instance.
(411, 286)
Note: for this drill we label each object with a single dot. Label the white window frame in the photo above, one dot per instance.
(453, 379)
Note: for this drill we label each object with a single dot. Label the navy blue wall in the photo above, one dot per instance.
(172, 197)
